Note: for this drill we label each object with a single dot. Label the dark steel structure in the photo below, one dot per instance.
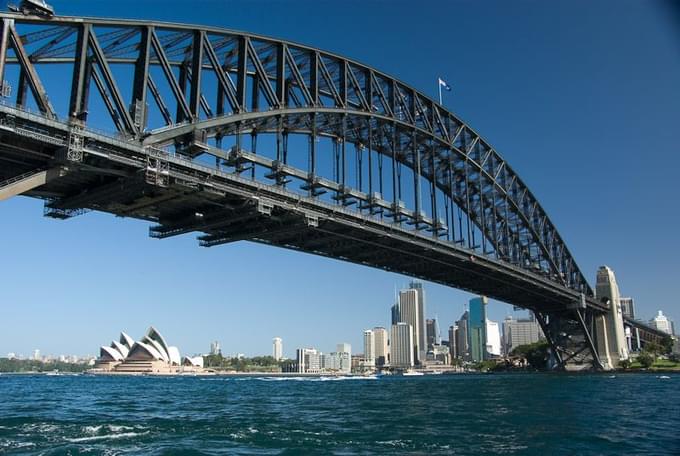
(244, 137)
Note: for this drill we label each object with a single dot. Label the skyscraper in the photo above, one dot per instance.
(627, 307)
(477, 329)
(369, 347)
(408, 313)
(215, 348)
(431, 335)
(402, 343)
(453, 349)
(396, 318)
(277, 349)
(381, 348)
(462, 339)
(422, 331)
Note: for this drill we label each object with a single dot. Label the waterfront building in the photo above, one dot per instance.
(308, 360)
(369, 347)
(337, 362)
(521, 331)
(194, 362)
(277, 348)
(381, 348)
(462, 340)
(344, 354)
(401, 348)
(438, 355)
(662, 323)
(477, 329)
(330, 362)
(627, 307)
(149, 355)
(344, 362)
(493, 340)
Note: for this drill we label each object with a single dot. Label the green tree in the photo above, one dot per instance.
(666, 345)
(625, 364)
(646, 359)
(536, 354)
(653, 348)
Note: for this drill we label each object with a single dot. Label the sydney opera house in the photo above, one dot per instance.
(150, 355)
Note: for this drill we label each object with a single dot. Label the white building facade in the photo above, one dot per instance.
(382, 353)
(277, 348)
(662, 323)
(402, 353)
(369, 348)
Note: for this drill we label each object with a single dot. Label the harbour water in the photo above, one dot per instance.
(541, 414)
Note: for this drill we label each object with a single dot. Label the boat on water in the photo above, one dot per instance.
(412, 373)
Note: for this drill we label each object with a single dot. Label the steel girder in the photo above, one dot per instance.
(220, 82)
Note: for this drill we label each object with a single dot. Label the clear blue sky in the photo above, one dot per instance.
(581, 97)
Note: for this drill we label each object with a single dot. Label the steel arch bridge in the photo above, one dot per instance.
(245, 137)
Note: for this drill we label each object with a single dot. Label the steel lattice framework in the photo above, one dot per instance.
(190, 106)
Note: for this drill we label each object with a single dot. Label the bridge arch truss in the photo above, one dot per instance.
(229, 133)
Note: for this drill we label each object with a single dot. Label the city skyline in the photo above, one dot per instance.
(96, 254)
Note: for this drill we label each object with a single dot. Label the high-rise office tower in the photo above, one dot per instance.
(412, 311)
(421, 332)
(431, 332)
(477, 329)
(662, 323)
(369, 347)
(381, 348)
(396, 318)
(462, 340)
(628, 307)
(215, 348)
(453, 349)
(518, 332)
(402, 343)
(277, 349)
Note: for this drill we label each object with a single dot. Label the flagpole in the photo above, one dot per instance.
(440, 91)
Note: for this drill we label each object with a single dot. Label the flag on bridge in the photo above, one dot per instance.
(445, 85)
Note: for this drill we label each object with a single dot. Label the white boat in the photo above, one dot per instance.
(411, 373)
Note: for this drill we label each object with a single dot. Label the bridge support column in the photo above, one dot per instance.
(610, 333)
(570, 335)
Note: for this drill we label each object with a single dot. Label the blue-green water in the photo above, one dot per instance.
(461, 414)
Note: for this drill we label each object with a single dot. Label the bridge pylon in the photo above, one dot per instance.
(570, 333)
(610, 332)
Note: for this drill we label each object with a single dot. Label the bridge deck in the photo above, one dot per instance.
(182, 196)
